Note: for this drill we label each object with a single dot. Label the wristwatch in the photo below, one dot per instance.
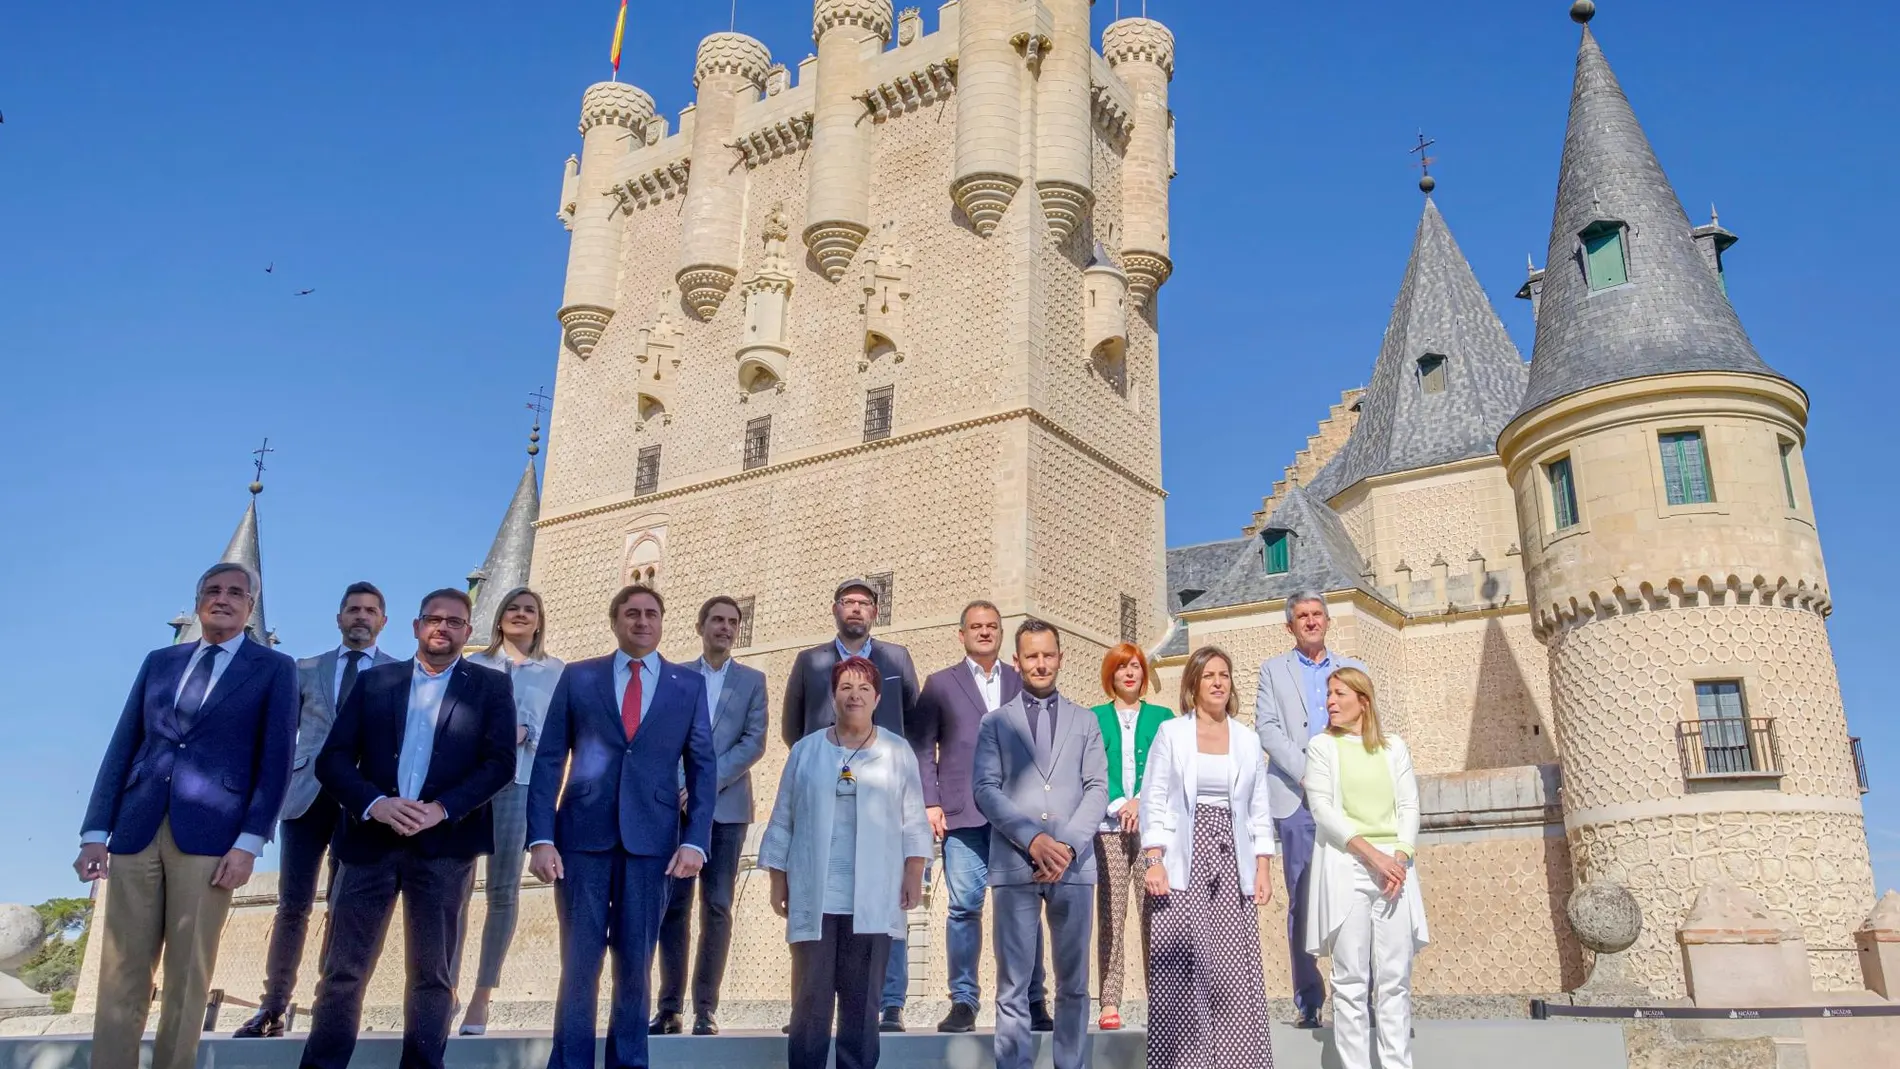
(1154, 861)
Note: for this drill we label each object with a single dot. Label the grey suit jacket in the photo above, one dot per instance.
(316, 701)
(1280, 717)
(738, 739)
(1022, 799)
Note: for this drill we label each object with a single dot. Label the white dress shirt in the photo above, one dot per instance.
(991, 685)
(247, 842)
(418, 734)
(1127, 717)
(533, 684)
(343, 664)
(715, 685)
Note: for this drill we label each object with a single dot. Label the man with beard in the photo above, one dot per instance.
(808, 709)
(309, 818)
(418, 751)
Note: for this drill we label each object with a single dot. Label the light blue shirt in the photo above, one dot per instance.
(845, 653)
(418, 734)
(247, 842)
(1313, 676)
(649, 679)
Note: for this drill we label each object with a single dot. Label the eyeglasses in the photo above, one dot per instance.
(857, 603)
(454, 623)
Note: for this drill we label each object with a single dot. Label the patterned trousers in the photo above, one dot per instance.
(1119, 864)
(1207, 999)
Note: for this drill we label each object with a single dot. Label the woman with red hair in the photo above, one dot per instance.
(1128, 728)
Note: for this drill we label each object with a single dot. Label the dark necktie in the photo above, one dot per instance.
(349, 675)
(197, 685)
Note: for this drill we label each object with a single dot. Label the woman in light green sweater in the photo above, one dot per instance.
(1364, 909)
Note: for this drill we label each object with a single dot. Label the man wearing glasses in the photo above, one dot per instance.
(418, 750)
(808, 709)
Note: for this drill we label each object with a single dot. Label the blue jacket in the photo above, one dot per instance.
(619, 793)
(223, 777)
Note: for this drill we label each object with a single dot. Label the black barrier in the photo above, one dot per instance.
(1543, 1010)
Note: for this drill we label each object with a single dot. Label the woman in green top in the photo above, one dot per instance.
(1363, 904)
(1128, 728)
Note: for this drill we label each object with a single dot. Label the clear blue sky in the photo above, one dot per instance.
(405, 160)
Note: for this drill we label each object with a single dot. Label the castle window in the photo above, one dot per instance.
(1130, 620)
(884, 583)
(1604, 260)
(758, 442)
(1563, 493)
(1279, 552)
(877, 414)
(1723, 741)
(1431, 373)
(1787, 470)
(646, 472)
(1685, 468)
(744, 637)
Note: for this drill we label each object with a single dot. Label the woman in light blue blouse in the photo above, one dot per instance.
(514, 647)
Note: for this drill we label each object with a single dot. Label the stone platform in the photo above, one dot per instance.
(1466, 1044)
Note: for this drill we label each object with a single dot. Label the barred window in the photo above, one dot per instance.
(882, 582)
(758, 442)
(744, 638)
(877, 414)
(646, 474)
(1131, 620)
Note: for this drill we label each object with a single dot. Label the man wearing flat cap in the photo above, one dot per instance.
(808, 709)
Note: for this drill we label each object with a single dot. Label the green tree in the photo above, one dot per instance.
(54, 968)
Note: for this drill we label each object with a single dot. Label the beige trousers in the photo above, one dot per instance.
(160, 899)
(1119, 869)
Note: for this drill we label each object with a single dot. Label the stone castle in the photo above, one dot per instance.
(896, 314)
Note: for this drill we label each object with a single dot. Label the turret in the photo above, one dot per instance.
(242, 549)
(989, 113)
(1065, 138)
(838, 199)
(1141, 51)
(730, 71)
(614, 118)
(1674, 565)
(1105, 315)
(506, 566)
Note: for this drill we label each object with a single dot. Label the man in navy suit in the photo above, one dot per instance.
(419, 749)
(949, 712)
(185, 799)
(623, 725)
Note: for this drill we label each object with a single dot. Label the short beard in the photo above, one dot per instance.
(854, 631)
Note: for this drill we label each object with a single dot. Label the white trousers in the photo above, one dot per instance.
(1372, 956)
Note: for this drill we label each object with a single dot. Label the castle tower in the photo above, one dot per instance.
(1675, 568)
(614, 117)
(506, 566)
(838, 204)
(242, 549)
(1065, 147)
(729, 72)
(989, 113)
(1141, 51)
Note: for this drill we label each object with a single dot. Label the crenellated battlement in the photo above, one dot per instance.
(872, 16)
(1139, 40)
(616, 104)
(731, 53)
(1627, 596)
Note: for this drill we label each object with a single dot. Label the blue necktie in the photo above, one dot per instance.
(197, 685)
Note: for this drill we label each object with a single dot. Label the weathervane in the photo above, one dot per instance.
(538, 403)
(1426, 183)
(257, 482)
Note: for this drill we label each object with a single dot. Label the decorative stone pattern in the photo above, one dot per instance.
(731, 53)
(1478, 694)
(615, 104)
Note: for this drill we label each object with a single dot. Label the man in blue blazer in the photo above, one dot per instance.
(185, 799)
(623, 726)
(419, 749)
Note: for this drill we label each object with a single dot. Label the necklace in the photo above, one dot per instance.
(844, 770)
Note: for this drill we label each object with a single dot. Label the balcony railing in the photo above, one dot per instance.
(1728, 748)
(1860, 765)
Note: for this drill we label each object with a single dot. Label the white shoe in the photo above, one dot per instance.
(473, 1030)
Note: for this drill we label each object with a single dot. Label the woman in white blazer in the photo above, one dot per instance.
(845, 848)
(1364, 908)
(1207, 837)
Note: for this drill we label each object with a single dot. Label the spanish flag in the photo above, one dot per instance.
(620, 30)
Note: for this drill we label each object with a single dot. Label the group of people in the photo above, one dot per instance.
(625, 781)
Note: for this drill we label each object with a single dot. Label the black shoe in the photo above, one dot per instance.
(1039, 1019)
(785, 1028)
(666, 1023)
(892, 1020)
(1308, 1020)
(962, 1018)
(705, 1025)
(264, 1024)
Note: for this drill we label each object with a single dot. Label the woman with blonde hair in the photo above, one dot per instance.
(1207, 844)
(514, 648)
(1364, 906)
(1128, 729)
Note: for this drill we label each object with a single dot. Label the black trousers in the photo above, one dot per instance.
(716, 881)
(842, 971)
(432, 891)
(302, 843)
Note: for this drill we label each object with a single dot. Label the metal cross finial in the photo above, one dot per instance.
(1426, 182)
(538, 403)
(257, 482)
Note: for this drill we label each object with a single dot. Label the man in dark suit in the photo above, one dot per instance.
(808, 709)
(185, 799)
(309, 819)
(735, 695)
(418, 750)
(622, 725)
(949, 712)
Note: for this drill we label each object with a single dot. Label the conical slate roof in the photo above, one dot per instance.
(508, 558)
(1671, 316)
(1321, 557)
(242, 550)
(1409, 420)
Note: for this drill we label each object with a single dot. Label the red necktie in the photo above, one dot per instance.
(630, 701)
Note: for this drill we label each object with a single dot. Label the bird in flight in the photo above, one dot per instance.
(306, 293)
(270, 267)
